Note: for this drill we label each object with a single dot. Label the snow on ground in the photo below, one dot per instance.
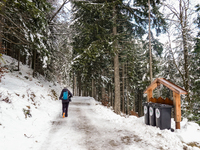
(30, 118)
(26, 107)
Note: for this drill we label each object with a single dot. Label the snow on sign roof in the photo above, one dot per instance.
(166, 83)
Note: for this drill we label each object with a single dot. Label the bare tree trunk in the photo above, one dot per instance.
(183, 21)
(123, 83)
(95, 92)
(34, 62)
(75, 86)
(85, 91)
(79, 88)
(112, 98)
(1, 22)
(79, 84)
(18, 60)
(116, 68)
(103, 93)
(128, 100)
(117, 85)
(150, 54)
(73, 83)
(93, 88)
(109, 98)
(140, 110)
(127, 90)
(134, 104)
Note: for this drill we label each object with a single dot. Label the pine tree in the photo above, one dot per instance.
(195, 71)
(100, 33)
(25, 30)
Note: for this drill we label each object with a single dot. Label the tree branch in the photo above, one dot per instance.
(170, 48)
(65, 2)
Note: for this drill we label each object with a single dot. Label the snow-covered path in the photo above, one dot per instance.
(86, 129)
(90, 126)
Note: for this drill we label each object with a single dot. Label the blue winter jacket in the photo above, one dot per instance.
(69, 96)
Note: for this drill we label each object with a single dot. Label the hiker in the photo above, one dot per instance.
(65, 96)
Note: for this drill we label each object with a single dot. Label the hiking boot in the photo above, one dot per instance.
(63, 115)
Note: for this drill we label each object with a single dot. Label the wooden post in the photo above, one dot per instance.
(178, 125)
(177, 91)
(149, 94)
(177, 109)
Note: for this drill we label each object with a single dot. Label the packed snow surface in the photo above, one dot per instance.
(30, 118)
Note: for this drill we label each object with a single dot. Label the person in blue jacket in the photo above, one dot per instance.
(65, 96)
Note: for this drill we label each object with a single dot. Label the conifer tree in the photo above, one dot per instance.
(108, 26)
(195, 71)
(25, 30)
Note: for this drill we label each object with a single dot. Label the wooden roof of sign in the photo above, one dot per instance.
(166, 83)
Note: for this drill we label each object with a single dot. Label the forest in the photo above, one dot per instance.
(110, 50)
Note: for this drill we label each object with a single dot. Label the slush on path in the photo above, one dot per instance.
(90, 126)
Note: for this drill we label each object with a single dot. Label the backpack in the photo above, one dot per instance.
(65, 95)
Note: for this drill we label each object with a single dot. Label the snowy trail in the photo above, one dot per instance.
(84, 129)
(91, 126)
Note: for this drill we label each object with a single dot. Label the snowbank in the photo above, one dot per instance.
(188, 135)
(29, 106)
(26, 107)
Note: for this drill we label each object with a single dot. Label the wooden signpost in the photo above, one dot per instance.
(177, 91)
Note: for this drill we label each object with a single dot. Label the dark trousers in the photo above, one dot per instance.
(65, 108)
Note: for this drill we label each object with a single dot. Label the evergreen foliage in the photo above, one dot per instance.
(93, 40)
(87, 46)
(195, 80)
(25, 30)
